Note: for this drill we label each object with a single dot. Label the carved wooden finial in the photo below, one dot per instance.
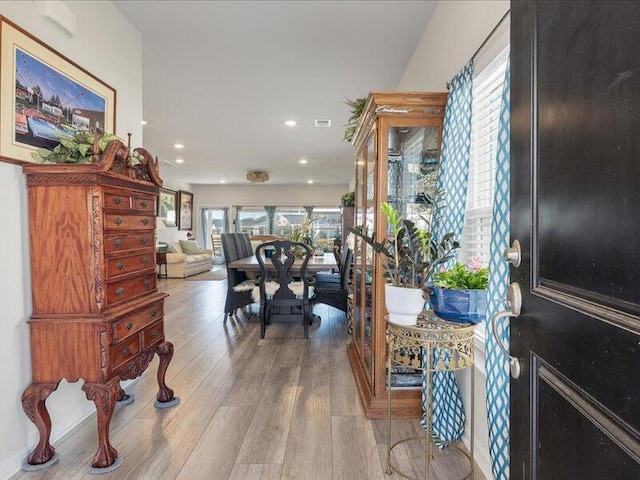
(95, 156)
(129, 147)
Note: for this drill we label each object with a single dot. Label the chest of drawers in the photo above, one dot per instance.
(97, 312)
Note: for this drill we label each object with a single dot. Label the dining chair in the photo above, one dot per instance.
(241, 248)
(278, 287)
(341, 260)
(235, 298)
(246, 242)
(332, 293)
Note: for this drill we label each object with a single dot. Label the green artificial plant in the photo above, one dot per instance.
(411, 254)
(356, 108)
(77, 148)
(463, 277)
(348, 199)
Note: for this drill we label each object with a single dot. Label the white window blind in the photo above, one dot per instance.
(487, 98)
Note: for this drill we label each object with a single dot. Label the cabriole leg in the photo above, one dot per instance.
(104, 396)
(33, 404)
(165, 397)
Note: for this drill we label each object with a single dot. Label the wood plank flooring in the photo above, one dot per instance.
(251, 409)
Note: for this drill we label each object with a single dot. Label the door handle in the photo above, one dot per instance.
(514, 305)
(513, 255)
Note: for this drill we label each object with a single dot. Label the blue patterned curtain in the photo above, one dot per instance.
(448, 410)
(497, 364)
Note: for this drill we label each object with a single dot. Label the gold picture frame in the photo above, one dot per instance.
(43, 95)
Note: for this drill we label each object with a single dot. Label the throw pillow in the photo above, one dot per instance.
(171, 248)
(190, 247)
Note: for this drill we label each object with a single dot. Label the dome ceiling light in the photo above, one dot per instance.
(257, 176)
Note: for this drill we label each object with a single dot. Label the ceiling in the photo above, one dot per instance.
(223, 77)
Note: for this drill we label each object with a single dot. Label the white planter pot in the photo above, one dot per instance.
(403, 304)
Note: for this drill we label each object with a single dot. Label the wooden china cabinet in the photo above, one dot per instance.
(97, 313)
(397, 145)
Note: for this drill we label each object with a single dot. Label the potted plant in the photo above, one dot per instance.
(459, 293)
(348, 199)
(356, 107)
(411, 257)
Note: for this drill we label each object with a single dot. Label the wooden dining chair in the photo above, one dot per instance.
(278, 288)
(332, 293)
(235, 299)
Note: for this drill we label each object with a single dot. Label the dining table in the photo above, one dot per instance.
(316, 264)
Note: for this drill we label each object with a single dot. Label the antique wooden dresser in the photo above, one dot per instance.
(97, 313)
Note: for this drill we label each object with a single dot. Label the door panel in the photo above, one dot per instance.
(575, 163)
(594, 436)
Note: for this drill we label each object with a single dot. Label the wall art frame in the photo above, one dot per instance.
(166, 208)
(44, 95)
(185, 210)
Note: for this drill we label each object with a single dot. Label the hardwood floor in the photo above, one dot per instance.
(278, 408)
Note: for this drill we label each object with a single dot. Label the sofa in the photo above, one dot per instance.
(185, 258)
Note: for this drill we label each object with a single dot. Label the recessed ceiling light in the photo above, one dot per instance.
(223, 181)
(144, 122)
(309, 181)
(303, 161)
(178, 145)
(179, 160)
(290, 123)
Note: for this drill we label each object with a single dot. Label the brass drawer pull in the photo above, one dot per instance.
(117, 200)
(129, 325)
(118, 221)
(120, 291)
(120, 266)
(145, 221)
(154, 313)
(147, 283)
(118, 242)
(145, 260)
(144, 240)
(144, 204)
(127, 350)
(155, 333)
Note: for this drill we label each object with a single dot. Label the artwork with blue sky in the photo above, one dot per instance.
(31, 72)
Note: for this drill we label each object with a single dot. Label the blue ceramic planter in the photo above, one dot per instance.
(463, 306)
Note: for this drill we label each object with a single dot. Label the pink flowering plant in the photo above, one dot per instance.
(463, 277)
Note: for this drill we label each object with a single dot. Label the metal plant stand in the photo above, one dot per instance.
(445, 346)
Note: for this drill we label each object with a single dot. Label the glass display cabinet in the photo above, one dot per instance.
(397, 145)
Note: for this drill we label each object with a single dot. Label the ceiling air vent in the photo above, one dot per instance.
(323, 123)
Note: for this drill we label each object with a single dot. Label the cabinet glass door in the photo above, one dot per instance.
(413, 157)
(358, 277)
(413, 170)
(369, 263)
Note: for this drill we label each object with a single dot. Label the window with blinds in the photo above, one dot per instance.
(488, 84)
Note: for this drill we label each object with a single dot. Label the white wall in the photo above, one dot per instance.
(454, 33)
(108, 46)
(452, 36)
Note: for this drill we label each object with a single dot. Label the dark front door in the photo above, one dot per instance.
(575, 208)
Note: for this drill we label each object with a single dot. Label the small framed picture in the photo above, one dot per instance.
(167, 207)
(185, 210)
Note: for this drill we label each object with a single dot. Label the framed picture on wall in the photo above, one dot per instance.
(46, 96)
(167, 207)
(185, 210)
